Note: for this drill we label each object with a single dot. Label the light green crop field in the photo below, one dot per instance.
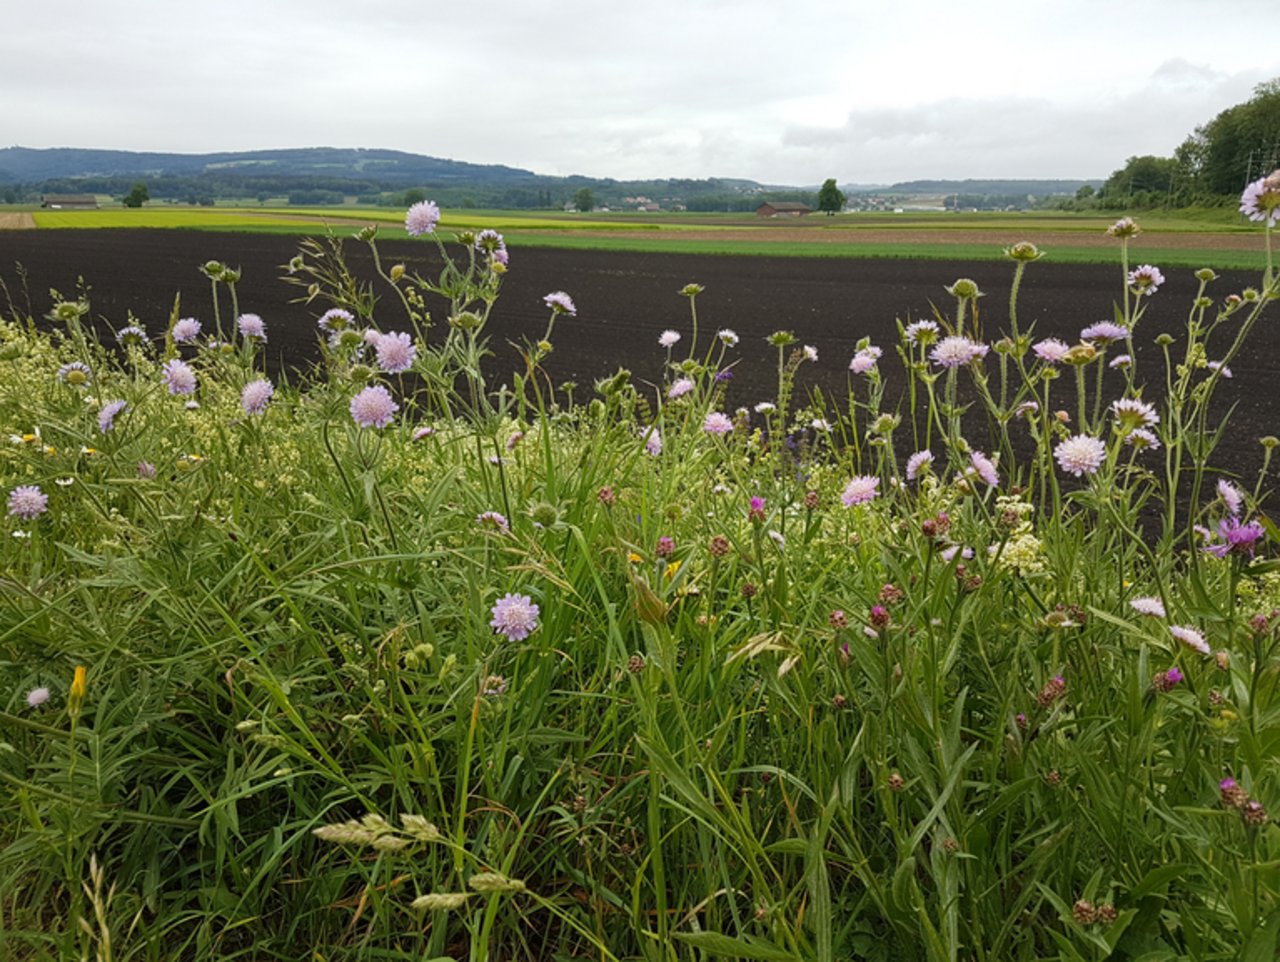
(1194, 238)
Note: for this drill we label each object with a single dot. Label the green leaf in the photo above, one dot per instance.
(728, 947)
(1157, 879)
(1261, 946)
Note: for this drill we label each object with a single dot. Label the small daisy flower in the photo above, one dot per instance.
(1080, 454)
(668, 339)
(718, 423)
(132, 335)
(186, 330)
(727, 337)
(396, 352)
(679, 388)
(1191, 638)
(373, 407)
(515, 617)
(421, 218)
(179, 378)
(255, 396)
(860, 490)
(918, 462)
(251, 325)
(107, 416)
(27, 502)
(1151, 607)
(75, 373)
(560, 303)
(810, 353)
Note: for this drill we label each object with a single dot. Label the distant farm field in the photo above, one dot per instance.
(1180, 239)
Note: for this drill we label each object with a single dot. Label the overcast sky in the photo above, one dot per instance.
(780, 91)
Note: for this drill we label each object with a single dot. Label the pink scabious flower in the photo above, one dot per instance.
(1142, 440)
(668, 339)
(864, 361)
(1146, 605)
(955, 351)
(1145, 280)
(334, 320)
(75, 373)
(1231, 496)
(560, 303)
(1120, 361)
(251, 325)
(1133, 412)
(186, 330)
(27, 502)
(1104, 332)
(107, 416)
(501, 256)
(679, 388)
(1124, 227)
(421, 218)
(1261, 201)
(948, 554)
(179, 378)
(146, 470)
(860, 490)
(652, 441)
(373, 407)
(1191, 638)
(515, 617)
(985, 468)
(921, 332)
(810, 353)
(1051, 350)
(920, 461)
(424, 432)
(493, 521)
(396, 352)
(132, 335)
(1223, 370)
(489, 240)
(37, 697)
(255, 396)
(1236, 538)
(1080, 454)
(717, 422)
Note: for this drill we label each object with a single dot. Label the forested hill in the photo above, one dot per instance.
(1033, 188)
(389, 167)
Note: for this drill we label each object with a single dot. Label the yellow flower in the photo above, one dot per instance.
(79, 685)
(634, 558)
(672, 569)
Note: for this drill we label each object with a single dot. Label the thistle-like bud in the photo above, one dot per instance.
(691, 290)
(1084, 913)
(1254, 814)
(367, 233)
(1023, 251)
(1205, 275)
(213, 270)
(718, 546)
(397, 272)
(1231, 794)
(896, 782)
(635, 664)
(231, 275)
(606, 496)
(812, 500)
(465, 321)
(781, 339)
(1080, 354)
(1051, 691)
(965, 289)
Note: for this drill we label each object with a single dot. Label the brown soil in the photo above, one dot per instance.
(12, 221)
(625, 300)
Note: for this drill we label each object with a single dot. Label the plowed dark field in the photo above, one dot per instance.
(625, 300)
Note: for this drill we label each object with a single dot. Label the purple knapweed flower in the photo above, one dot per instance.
(373, 407)
(255, 396)
(421, 218)
(1236, 538)
(718, 423)
(396, 352)
(1080, 454)
(251, 325)
(560, 303)
(179, 378)
(861, 489)
(515, 617)
(186, 330)
(755, 509)
(28, 502)
(107, 416)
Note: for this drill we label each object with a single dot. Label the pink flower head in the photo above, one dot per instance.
(179, 378)
(1261, 201)
(955, 351)
(920, 461)
(1080, 454)
(652, 441)
(1142, 440)
(716, 422)
(251, 325)
(755, 509)
(1104, 332)
(1236, 538)
(37, 697)
(373, 407)
(1151, 607)
(985, 468)
(1191, 638)
(860, 490)
(668, 339)
(560, 303)
(679, 388)
(1222, 369)
(493, 521)
(1231, 496)
(27, 502)
(186, 330)
(107, 416)
(1145, 280)
(396, 352)
(515, 617)
(334, 320)
(421, 218)
(1051, 350)
(1173, 675)
(864, 361)
(921, 332)
(255, 396)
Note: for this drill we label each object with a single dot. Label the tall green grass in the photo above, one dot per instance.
(780, 701)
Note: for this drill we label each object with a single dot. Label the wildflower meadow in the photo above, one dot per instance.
(390, 661)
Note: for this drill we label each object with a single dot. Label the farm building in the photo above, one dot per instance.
(69, 201)
(782, 208)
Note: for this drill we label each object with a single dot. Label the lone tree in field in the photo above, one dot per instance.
(137, 196)
(831, 198)
(584, 200)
